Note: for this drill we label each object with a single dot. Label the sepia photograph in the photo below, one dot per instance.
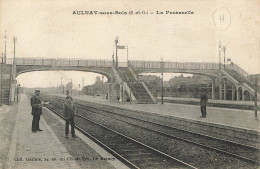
(143, 84)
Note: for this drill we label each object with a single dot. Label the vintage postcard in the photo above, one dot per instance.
(129, 84)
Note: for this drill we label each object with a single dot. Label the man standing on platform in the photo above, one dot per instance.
(69, 113)
(203, 104)
(36, 111)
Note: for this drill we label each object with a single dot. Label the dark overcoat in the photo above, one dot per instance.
(203, 100)
(69, 110)
(36, 106)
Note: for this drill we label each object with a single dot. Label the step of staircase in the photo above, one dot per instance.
(137, 88)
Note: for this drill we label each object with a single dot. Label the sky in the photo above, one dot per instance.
(56, 78)
(48, 29)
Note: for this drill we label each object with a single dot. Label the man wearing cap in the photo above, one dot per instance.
(69, 113)
(203, 104)
(36, 111)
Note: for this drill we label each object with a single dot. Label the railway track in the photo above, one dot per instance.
(239, 151)
(131, 152)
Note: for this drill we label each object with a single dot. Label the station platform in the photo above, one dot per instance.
(230, 102)
(224, 116)
(44, 149)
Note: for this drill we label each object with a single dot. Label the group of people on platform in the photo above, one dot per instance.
(68, 110)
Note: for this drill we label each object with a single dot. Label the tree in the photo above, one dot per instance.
(96, 88)
(69, 85)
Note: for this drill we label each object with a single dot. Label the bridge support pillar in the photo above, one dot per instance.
(225, 89)
(213, 89)
(121, 93)
(12, 92)
(220, 91)
(233, 92)
(243, 95)
(250, 97)
(108, 91)
(238, 95)
(114, 90)
(13, 84)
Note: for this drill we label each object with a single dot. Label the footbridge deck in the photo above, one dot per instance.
(219, 72)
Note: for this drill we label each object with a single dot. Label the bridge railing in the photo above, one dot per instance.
(133, 63)
(63, 62)
(173, 65)
(9, 61)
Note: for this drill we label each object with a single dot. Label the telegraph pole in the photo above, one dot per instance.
(13, 72)
(219, 50)
(127, 55)
(17, 93)
(102, 92)
(113, 59)
(83, 86)
(5, 47)
(116, 41)
(255, 96)
(162, 65)
(71, 86)
(224, 50)
(61, 81)
(79, 89)
(2, 81)
(15, 40)
(83, 82)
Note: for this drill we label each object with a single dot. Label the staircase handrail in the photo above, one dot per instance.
(226, 74)
(252, 90)
(144, 85)
(133, 73)
(150, 94)
(128, 90)
(239, 70)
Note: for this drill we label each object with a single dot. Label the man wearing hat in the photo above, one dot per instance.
(36, 104)
(203, 104)
(69, 113)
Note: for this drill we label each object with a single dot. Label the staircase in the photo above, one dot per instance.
(6, 82)
(241, 79)
(138, 88)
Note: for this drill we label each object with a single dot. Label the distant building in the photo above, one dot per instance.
(252, 78)
(179, 86)
(152, 82)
